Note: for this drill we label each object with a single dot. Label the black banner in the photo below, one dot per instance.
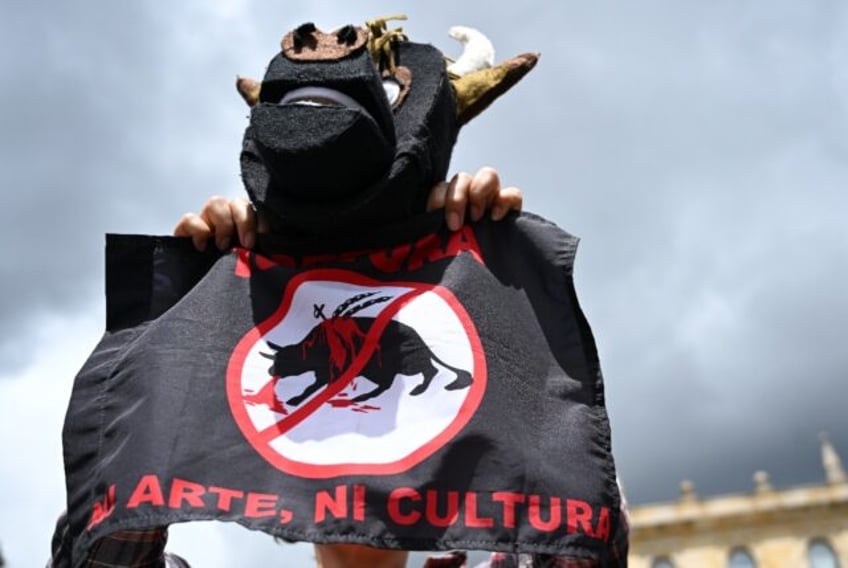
(441, 392)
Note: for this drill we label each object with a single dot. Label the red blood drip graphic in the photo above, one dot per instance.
(267, 396)
(369, 343)
(342, 402)
(103, 508)
(343, 338)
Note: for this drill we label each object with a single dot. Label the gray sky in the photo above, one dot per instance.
(699, 149)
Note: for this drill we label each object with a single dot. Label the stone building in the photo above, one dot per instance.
(798, 527)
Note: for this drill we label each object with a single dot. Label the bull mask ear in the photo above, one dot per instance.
(248, 89)
(476, 81)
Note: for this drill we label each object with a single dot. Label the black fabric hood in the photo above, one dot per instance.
(324, 168)
(328, 152)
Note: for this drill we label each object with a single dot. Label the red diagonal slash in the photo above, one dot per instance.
(372, 339)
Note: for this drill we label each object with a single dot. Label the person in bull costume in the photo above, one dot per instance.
(351, 129)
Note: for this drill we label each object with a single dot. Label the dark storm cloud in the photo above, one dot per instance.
(701, 156)
(698, 149)
(117, 118)
(106, 125)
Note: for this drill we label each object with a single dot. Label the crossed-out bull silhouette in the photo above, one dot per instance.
(331, 346)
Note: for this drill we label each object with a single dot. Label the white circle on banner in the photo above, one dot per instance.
(355, 376)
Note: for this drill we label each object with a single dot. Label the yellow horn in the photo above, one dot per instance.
(477, 90)
(248, 89)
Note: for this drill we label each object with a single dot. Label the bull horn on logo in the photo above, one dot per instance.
(476, 81)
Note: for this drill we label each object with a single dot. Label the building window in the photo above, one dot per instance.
(821, 555)
(741, 558)
(662, 563)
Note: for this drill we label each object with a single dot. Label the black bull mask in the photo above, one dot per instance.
(351, 129)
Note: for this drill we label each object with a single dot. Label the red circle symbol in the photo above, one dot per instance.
(355, 376)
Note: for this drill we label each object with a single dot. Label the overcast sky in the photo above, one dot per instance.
(699, 149)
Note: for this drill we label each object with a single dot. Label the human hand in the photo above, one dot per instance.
(223, 218)
(474, 196)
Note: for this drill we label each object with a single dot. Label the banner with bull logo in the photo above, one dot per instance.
(439, 392)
